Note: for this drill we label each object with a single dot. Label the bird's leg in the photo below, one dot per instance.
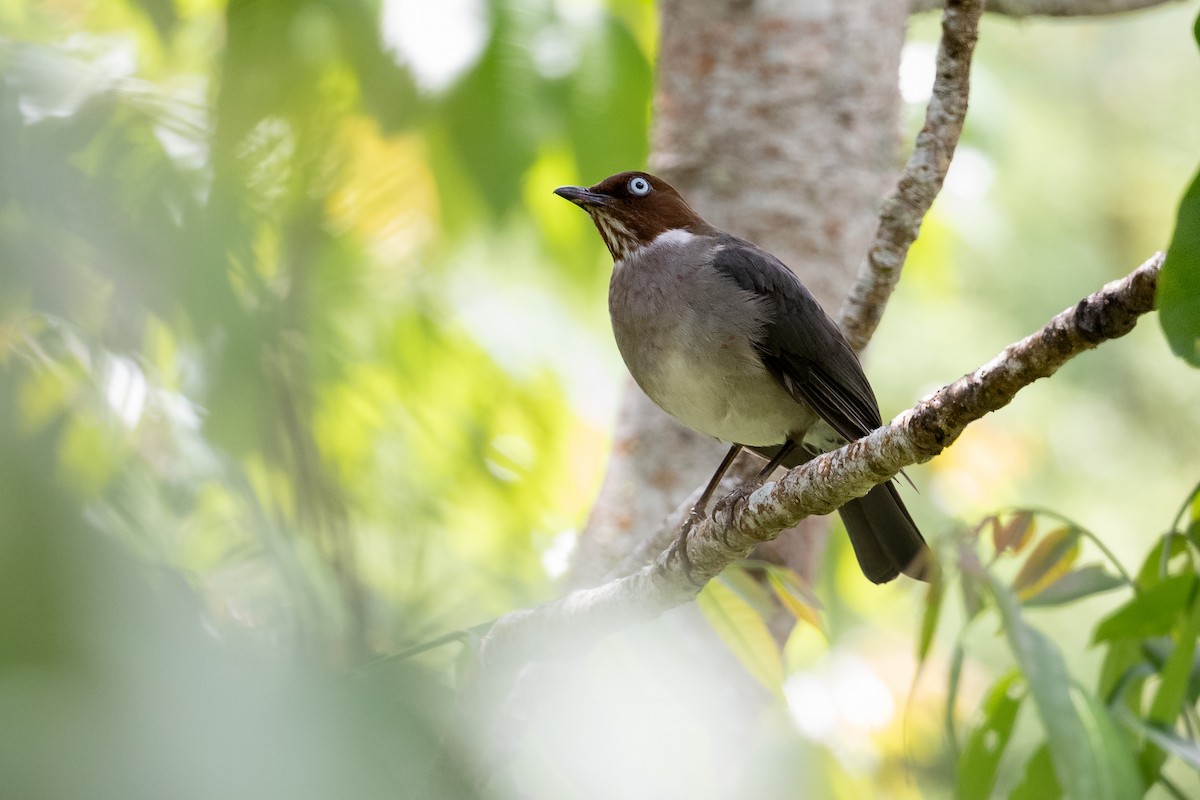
(696, 515)
(698, 508)
(785, 450)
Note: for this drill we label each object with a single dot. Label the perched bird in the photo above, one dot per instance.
(727, 340)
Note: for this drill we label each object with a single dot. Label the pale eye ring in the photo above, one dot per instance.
(639, 186)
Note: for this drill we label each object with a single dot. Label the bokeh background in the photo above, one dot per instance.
(301, 363)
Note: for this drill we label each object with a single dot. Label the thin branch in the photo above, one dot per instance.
(572, 623)
(1051, 8)
(900, 218)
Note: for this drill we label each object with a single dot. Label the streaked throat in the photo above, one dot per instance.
(620, 241)
(675, 237)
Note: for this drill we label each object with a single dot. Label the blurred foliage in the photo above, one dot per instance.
(302, 363)
(227, 236)
(110, 689)
(1112, 741)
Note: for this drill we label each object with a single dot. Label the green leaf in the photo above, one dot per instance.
(1048, 562)
(953, 684)
(744, 631)
(988, 741)
(1112, 748)
(1123, 673)
(1040, 782)
(971, 574)
(1166, 739)
(1179, 283)
(929, 620)
(1083, 749)
(1173, 687)
(1075, 585)
(1151, 613)
(1193, 533)
(161, 13)
(1152, 570)
(1014, 534)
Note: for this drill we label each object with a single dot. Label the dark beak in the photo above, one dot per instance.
(580, 196)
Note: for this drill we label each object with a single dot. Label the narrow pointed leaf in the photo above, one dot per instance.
(1039, 782)
(1179, 284)
(749, 588)
(1151, 571)
(1080, 741)
(1014, 534)
(981, 757)
(1151, 613)
(1048, 562)
(1173, 687)
(1168, 740)
(744, 631)
(1110, 745)
(792, 597)
(929, 620)
(954, 682)
(1075, 585)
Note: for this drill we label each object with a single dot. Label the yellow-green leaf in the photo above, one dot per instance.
(1074, 585)
(986, 745)
(744, 631)
(1049, 561)
(929, 620)
(791, 596)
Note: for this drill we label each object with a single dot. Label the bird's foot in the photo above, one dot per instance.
(679, 546)
(747, 488)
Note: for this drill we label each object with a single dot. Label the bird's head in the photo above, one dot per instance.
(632, 209)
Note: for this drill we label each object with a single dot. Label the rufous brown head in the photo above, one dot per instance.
(632, 209)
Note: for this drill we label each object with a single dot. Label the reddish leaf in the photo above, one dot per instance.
(1014, 534)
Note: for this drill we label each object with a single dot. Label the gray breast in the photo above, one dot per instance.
(687, 334)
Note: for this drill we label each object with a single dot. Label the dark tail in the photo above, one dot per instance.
(885, 538)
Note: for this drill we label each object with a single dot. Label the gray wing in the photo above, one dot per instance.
(802, 347)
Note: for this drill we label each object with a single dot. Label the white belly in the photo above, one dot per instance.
(687, 335)
(735, 402)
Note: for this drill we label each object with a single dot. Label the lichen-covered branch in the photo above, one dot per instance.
(1051, 8)
(900, 218)
(819, 487)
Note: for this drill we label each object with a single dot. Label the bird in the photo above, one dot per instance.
(726, 339)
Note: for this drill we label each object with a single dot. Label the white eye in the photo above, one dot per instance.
(639, 186)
